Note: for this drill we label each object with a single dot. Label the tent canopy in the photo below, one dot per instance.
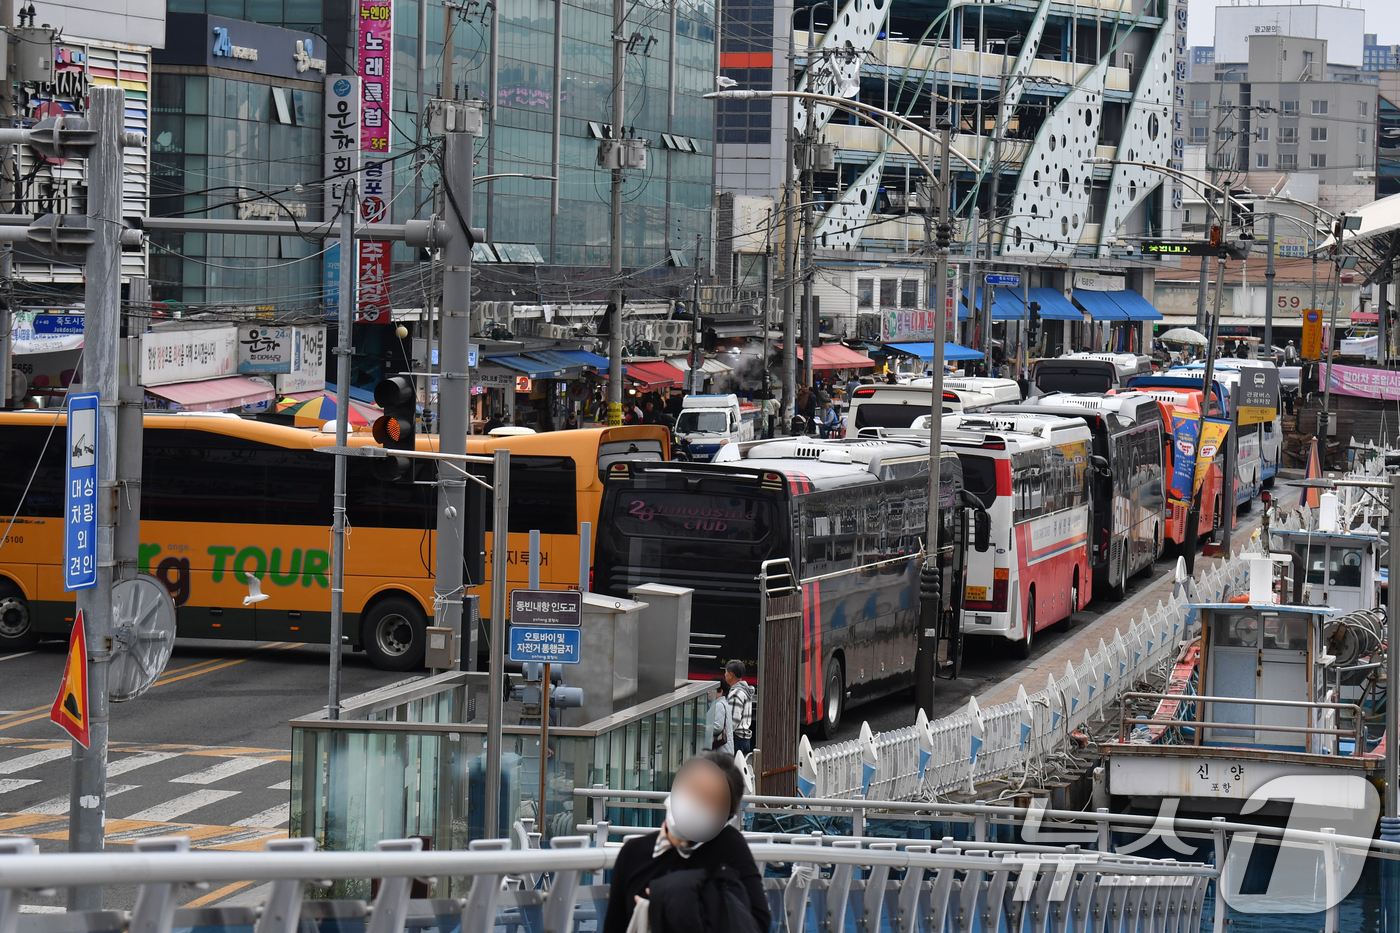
(1054, 306)
(831, 356)
(924, 351)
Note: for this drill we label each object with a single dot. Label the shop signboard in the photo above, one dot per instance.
(341, 144)
(263, 349)
(376, 70)
(308, 372)
(188, 355)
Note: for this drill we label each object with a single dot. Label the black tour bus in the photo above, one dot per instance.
(848, 518)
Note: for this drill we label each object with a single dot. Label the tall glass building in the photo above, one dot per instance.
(666, 206)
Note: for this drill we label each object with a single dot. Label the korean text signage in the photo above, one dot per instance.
(1312, 334)
(910, 325)
(80, 494)
(170, 356)
(73, 323)
(1186, 431)
(545, 625)
(265, 349)
(1259, 395)
(1093, 282)
(376, 52)
(308, 372)
(1363, 382)
(341, 144)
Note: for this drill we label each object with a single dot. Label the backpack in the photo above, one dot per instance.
(701, 901)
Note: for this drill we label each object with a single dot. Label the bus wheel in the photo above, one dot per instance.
(394, 634)
(16, 627)
(1118, 591)
(1023, 647)
(833, 701)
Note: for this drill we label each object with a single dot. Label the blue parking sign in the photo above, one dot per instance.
(80, 494)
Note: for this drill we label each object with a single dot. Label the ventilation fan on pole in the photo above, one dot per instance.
(143, 632)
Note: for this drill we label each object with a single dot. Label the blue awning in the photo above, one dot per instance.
(1099, 305)
(584, 358)
(535, 369)
(1054, 306)
(1006, 304)
(555, 359)
(1135, 306)
(924, 351)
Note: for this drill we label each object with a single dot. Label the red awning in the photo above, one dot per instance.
(1365, 317)
(654, 374)
(831, 356)
(215, 394)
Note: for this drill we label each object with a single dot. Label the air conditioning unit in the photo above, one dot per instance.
(671, 335)
(556, 331)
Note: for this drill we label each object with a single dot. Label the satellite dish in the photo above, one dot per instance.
(143, 632)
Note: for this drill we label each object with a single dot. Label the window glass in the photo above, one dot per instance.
(979, 477)
(666, 513)
(1345, 569)
(865, 293)
(909, 293)
(889, 289)
(38, 452)
(543, 494)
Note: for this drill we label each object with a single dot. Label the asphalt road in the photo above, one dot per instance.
(987, 661)
(204, 753)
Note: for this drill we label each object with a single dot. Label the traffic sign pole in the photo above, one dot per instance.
(101, 341)
(495, 702)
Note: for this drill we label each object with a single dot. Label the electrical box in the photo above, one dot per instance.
(441, 651)
(819, 157)
(456, 116)
(34, 54)
(630, 153)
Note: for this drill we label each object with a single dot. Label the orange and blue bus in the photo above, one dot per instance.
(226, 498)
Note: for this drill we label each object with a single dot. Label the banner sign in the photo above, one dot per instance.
(341, 145)
(912, 325)
(1094, 282)
(1259, 395)
(30, 333)
(80, 494)
(1364, 382)
(376, 68)
(1213, 431)
(1186, 430)
(265, 349)
(170, 356)
(1311, 348)
(308, 372)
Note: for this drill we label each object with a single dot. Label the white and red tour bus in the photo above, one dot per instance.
(1027, 566)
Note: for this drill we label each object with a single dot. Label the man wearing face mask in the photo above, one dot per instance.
(697, 834)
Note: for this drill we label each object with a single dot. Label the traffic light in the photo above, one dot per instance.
(1033, 327)
(943, 235)
(394, 430)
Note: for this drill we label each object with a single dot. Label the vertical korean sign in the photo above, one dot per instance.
(342, 159)
(376, 41)
(80, 494)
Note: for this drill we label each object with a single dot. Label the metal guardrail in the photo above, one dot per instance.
(1357, 733)
(970, 889)
(1013, 737)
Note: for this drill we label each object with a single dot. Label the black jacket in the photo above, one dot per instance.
(635, 868)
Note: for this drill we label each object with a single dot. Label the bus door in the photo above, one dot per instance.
(991, 541)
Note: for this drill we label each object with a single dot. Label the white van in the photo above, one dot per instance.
(709, 422)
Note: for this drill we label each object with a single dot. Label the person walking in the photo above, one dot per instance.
(740, 705)
(698, 838)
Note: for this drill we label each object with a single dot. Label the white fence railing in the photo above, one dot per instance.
(1010, 739)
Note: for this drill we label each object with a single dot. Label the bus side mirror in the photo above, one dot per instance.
(1101, 464)
(981, 530)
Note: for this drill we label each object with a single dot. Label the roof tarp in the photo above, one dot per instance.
(1099, 305)
(215, 394)
(836, 356)
(1054, 306)
(535, 369)
(924, 351)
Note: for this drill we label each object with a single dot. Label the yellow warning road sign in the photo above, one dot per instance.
(70, 707)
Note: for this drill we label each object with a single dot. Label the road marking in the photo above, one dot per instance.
(9, 784)
(41, 909)
(208, 670)
(41, 710)
(11, 657)
(218, 772)
(25, 762)
(58, 806)
(274, 816)
(137, 761)
(285, 785)
(218, 894)
(170, 809)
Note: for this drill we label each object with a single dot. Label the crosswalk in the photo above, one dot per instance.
(221, 797)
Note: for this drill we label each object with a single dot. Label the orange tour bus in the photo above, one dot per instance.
(225, 498)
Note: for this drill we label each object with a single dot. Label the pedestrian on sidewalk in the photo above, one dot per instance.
(740, 705)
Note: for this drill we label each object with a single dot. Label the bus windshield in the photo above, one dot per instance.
(871, 415)
(1074, 379)
(703, 516)
(702, 422)
(980, 477)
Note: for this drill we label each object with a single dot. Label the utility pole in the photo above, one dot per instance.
(345, 323)
(454, 384)
(1324, 417)
(931, 607)
(1269, 291)
(697, 352)
(988, 290)
(789, 279)
(495, 701)
(619, 93)
(1390, 822)
(449, 48)
(126, 547)
(974, 320)
(9, 195)
(87, 807)
(1201, 293)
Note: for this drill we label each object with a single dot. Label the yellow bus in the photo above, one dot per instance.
(226, 498)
